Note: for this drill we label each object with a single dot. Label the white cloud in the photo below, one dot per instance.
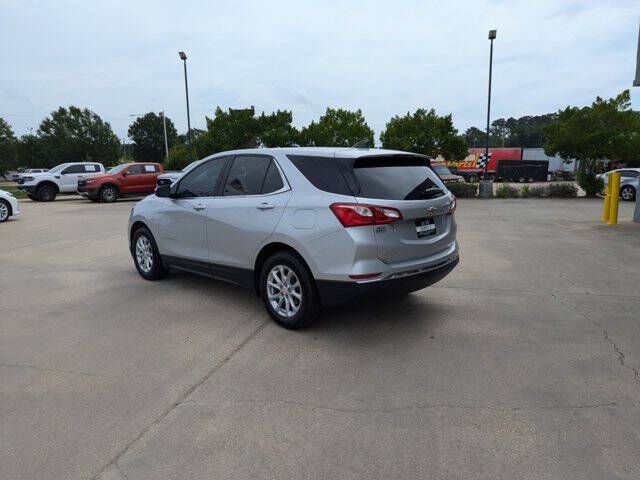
(386, 58)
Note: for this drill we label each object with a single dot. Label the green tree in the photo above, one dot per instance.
(8, 159)
(276, 129)
(475, 137)
(230, 130)
(337, 128)
(608, 129)
(178, 157)
(147, 133)
(425, 132)
(75, 134)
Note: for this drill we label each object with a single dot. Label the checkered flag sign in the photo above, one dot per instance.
(483, 160)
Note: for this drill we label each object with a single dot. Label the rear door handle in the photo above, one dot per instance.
(265, 206)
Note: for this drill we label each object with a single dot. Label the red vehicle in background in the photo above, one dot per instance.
(125, 180)
(471, 167)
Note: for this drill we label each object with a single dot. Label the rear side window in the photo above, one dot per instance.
(246, 175)
(323, 172)
(135, 170)
(629, 173)
(78, 168)
(272, 180)
(396, 178)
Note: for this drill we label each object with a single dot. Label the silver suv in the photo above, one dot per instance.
(303, 227)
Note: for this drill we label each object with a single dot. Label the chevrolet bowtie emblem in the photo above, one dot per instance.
(432, 210)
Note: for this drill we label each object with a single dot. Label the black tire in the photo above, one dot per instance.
(5, 210)
(108, 194)
(33, 198)
(46, 193)
(157, 270)
(308, 308)
(629, 192)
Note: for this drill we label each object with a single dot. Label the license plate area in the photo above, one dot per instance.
(425, 227)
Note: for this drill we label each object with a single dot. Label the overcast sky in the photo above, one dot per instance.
(386, 58)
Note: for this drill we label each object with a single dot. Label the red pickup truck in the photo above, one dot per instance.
(127, 179)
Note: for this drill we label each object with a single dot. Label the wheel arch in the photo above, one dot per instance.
(49, 183)
(267, 251)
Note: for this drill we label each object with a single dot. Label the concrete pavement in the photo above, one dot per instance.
(523, 363)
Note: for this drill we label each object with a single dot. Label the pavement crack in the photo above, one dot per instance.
(605, 333)
(181, 398)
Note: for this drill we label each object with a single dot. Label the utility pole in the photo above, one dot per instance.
(492, 36)
(164, 129)
(183, 57)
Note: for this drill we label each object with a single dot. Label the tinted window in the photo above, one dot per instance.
(201, 181)
(246, 176)
(135, 170)
(74, 169)
(273, 180)
(628, 173)
(323, 172)
(396, 178)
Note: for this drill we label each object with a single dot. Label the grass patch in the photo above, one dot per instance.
(12, 187)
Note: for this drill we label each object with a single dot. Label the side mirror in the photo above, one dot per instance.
(163, 191)
(125, 173)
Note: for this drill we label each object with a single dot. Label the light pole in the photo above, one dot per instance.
(164, 130)
(183, 57)
(492, 36)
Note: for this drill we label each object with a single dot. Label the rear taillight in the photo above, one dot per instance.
(452, 205)
(357, 214)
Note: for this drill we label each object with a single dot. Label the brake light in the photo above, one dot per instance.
(453, 204)
(357, 215)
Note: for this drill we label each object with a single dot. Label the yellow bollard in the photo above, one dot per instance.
(614, 182)
(607, 201)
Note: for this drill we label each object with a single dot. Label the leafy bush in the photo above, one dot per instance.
(178, 157)
(562, 190)
(537, 191)
(463, 189)
(525, 192)
(507, 191)
(591, 184)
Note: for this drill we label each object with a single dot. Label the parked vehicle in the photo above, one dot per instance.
(60, 180)
(445, 174)
(522, 171)
(471, 167)
(128, 179)
(629, 180)
(16, 176)
(167, 178)
(9, 206)
(303, 227)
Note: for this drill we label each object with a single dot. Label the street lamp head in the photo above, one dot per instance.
(183, 55)
(492, 34)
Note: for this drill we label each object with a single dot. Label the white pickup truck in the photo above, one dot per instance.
(60, 180)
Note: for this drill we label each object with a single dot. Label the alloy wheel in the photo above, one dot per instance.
(626, 194)
(109, 194)
(284, 291)
(144, 254)
(4, 211)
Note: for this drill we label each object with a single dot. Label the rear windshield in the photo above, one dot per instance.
(389, 177)
(394, 177)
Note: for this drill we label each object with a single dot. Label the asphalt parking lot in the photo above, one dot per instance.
(523, 363)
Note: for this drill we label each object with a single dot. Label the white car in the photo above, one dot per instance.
(16, 176)
(60, 180)
(629, 179)
(8, 206)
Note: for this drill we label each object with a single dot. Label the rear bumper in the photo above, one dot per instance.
(334, 293)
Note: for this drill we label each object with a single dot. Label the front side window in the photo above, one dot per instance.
(202, 180)
(246, 175)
